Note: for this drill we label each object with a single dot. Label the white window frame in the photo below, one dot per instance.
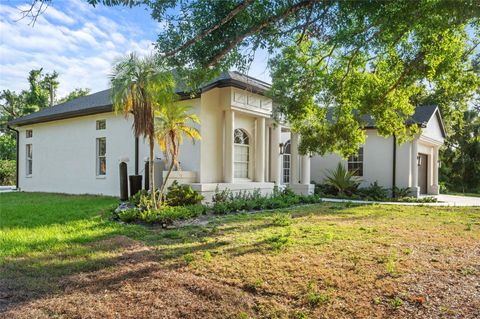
(28, 133)
(355, 160)
(236, 161)
(286, 159)
(99, 156)
(97, 125)
(28, 159)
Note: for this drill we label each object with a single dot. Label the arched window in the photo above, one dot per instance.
(286, 162)
(242, 153)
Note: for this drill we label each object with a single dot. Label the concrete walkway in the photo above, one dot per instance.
(6, 189)
(443, 200)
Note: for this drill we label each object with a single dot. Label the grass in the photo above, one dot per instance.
(61, 257)
(463, 194)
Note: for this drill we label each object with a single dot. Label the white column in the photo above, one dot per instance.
(266, 174)
(305, 180)
(294, 143)
(260, 151)
(435, 187)
(414, 164)
(275, 163)
(228, 155)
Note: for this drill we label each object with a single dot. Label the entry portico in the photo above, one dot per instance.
(251, 143)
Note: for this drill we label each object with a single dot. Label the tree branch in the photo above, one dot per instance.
(299, 6)
(202, 35)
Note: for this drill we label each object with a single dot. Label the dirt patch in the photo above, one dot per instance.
(368, 262)
(143, 290)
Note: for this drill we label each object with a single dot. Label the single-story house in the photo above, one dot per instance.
(412, 165)
(76, 147)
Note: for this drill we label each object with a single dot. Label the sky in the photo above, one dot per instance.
(79, 41)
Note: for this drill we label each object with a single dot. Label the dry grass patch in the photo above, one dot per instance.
(321, 261)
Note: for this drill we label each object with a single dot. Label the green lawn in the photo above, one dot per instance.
(60, 256)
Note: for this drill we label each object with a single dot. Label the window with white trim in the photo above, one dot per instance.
(28, 133)
(286, 163)
(101, 124)
(29, 159)
(355, 163)
(101, 156)
(241, 154)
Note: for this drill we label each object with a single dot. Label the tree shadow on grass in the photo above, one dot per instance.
(108, 260)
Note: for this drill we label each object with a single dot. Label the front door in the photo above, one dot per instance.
(422, 173)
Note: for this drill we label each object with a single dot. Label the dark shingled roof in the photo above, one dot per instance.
(422, 115)
(101, 102)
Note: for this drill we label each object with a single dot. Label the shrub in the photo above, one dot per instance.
(220, 208)
(128, 215)
(402, 192)
(342, 180)
(325, 189)
(166, 214)
(182, 195)
(7, 172)
(221, 196)
(373, 192)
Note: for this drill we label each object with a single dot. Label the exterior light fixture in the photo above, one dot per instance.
(419, 160)
(281, 148)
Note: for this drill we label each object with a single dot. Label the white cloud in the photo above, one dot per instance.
(78, 41)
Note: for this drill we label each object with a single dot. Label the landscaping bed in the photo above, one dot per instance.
(182, 203)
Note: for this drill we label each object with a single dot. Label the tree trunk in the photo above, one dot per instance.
(151, 173)
(162, 189)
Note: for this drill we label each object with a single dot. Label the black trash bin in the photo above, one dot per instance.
(135, 184)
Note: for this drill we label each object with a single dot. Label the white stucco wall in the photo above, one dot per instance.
(64, 155)
(377, 162)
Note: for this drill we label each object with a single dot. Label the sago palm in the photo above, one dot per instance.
(138, 86)
(342, 180)
(172, 124)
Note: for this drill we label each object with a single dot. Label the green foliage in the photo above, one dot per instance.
(279, 241)
(314, 296)
(373, 192)
(402, 192)
(7, 172)
(460, 164)
(164, 215)
(182, 195)
(7, 147)
(396, 302)
(280, 219)
(227, 202)
(76, 93)
(351, 58)
(391, 265)
(141, 86)
(128, 215)
(426, 199)
(342, 180)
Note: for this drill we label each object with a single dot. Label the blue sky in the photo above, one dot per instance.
(79, 41)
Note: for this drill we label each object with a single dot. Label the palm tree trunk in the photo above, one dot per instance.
(151, 173)
(162, 189)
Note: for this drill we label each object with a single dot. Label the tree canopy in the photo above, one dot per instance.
(16, 104)
(345, 58)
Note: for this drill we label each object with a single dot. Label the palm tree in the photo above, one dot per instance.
(138, 86)
(172, 123)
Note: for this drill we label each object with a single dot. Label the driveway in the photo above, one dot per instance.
(454, 200)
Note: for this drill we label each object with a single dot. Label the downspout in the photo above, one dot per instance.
(394, 170)
(136, 155)
(17, 140)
